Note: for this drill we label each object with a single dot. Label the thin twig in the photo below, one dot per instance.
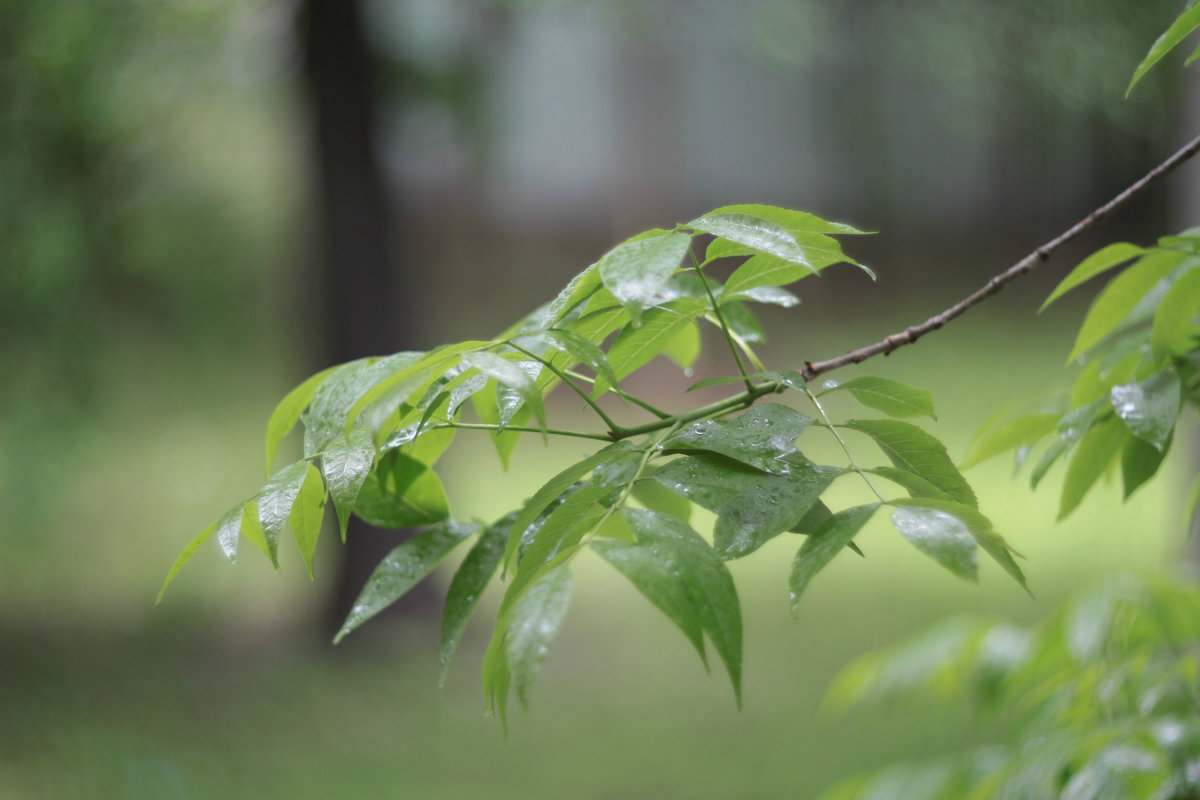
(1024, 266)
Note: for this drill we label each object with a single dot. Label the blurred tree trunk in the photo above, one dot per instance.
(357, 264)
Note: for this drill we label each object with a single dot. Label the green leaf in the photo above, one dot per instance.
(229, 529)
(552, 489)
(763, 437)
(1100, 261)
(756, 233)
(915, 485)
(656, 497)
(1140, 460)
(287, 413)
(978, 526)
(769, 295)
(189, 550)
(684, 347)
(940, 535)
(252, 530)
(557, 538)
(579, 289)
(466, 588)
(346, 462)
(823, 544)
(402, 569)
(762, 270)
(741, 321)
(752, 507)
(1095, 452)
(276, 500)
(676, 570)
(307, 515)
(402, 492)
(794, 222)
(1174, 329)
(912, 449)
(580, 348)
(634, 347)
(535, 620)
(814, 518)
(512, 375)
(1122, 296)
(1015, 433)
(394, 379)
(505, 441)
(893, 398)
(636, 270)
(1183, 25)
(1149, 408)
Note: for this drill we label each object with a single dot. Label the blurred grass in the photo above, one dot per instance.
(224, 691)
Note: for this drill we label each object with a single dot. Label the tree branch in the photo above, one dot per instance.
(1026, 265)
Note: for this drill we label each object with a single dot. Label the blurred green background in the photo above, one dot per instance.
(201, 202)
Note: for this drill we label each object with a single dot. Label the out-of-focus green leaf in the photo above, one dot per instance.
(402, 492)
(752, 506)
(756, 233)
(1014, 433)
(252, 530)
(684, 347)
(307, 514)
(940, 535)
(823, 544)
(669, 555)
(287, 413)
(656, 497)
(635, 346)
(468, 584)
(512, 375)
(1095, 452)
(763, 437)
(794, 222)
(893, 398)
(912, 449)
(636, 270)
(1183, 25)
(1100, 261)
(346, 462)
(1140, 460)
(276, 500)
(741, 321)
(1149, 408)
(552, 489)
(535, 620)
(1122, 295)
(403, 568)
(1174, 330)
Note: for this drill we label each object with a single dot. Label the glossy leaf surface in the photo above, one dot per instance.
(941, 536)
(637, 270)
(755, 233)
(1149, 408)
(892, 397)
(468, 584)
(1015, 433)
(346, 463)
(635, 346)
(307, 514)
(403, 568)
(825, 542)
(276, 500)
(912, 449)
(536, 618)
(763, 437)
(402, 492)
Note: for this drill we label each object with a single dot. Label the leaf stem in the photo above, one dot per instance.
(658, 412)
(567, 380)
(485, 426)
(737, 356)
(845, 448)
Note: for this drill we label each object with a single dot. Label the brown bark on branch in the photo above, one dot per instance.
(1026, 265)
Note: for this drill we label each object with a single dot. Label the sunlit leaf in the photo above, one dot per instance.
(763, 437)
(1149, 408)
(912, 449)
(346, 462)
(287, 413)
(402, 569)
(468, 584)
(636, 271)
(307, 514)
(825, 542)
(1183, 25)
(752, 506)
(893, 398)
(1102, 260)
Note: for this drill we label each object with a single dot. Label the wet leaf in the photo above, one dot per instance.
(1149, 408)
(893, 398)
(468, 585)
(912, 449)
(185, 556)
(636, 271)
(763, 437)
(515, 376)
(1140, 460)
(979, 527)
(307, 514)
(402, 492)
(684, 347)
(941, 536)
(756, 233)
(402, 569)
(915, 485)
(768, 295)
(656, 497)
(636, 346)
(535, 620)
(276, 500)
(346, 462)
(580, 348)
(287, 413)
(752, 506)
(1095, 452)
(825, 542)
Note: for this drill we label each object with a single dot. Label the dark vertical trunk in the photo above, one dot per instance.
(358, 270)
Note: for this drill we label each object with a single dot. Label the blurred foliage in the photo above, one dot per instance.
(1103, 696)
